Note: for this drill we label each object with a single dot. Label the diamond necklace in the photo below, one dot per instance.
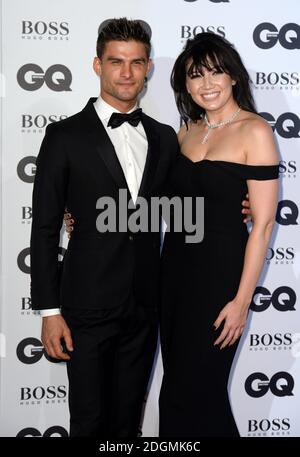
(215, 126)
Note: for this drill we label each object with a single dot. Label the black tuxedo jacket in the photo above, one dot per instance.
(76, 165)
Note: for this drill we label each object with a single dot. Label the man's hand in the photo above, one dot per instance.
(246, 210)
(54, 329)
(68, 221)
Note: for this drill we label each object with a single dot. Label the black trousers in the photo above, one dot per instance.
(109, 368)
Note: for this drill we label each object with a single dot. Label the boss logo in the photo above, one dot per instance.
(188, 31)
(266, 35)
(280, 255)
(32, 77)
(283, 299)
(41, 393)
(26, 305)
(26, 214)
(287, 167)
(287, 213)
(287, 125)
(269, 425)
(280, 384)
(267, 340)
(39, 121)
(56, 430)
(273, 79)
(41, 28)
(31, 350)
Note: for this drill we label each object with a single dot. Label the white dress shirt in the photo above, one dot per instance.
(131, 147)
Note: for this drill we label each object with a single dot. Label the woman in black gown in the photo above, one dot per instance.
(227, 150)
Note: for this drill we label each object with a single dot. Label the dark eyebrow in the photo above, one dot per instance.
(137, 59)
(113, 58)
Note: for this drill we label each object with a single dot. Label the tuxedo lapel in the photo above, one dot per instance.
(152, 155)
(103, 145)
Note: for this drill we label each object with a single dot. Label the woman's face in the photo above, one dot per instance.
(212, 90)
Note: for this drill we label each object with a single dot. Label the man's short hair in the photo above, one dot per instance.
(123, 29)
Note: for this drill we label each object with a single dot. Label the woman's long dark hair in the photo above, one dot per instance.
(209, 50)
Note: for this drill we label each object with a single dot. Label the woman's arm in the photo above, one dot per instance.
(263, 200)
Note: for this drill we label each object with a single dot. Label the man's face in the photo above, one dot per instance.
(122, 70)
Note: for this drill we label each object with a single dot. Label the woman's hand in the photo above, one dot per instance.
(234, 315)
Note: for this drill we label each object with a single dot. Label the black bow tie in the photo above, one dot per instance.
(117, 119)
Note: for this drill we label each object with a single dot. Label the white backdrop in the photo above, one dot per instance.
(46, 74)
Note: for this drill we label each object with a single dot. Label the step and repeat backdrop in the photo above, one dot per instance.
(46, 75)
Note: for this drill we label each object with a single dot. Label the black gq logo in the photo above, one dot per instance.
(283, 299)
(287, 213)
(31, 350)
(21, 261)
(281, 384)
(31, 77)
(287, 125)
(55, 430)
(24, 254)
(25, 172)
(266, 35)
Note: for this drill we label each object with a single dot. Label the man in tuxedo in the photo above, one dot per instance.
(100, 313)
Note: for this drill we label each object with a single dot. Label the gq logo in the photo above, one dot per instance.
(31, 350)
(287, 125)
(287, 213)
(31, 77)
(26, 169)
(25, 253)
(266, 35)
(56, 430)
(281, 384)
(283, 299)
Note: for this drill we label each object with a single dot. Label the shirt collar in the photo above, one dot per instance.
(104, 110)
